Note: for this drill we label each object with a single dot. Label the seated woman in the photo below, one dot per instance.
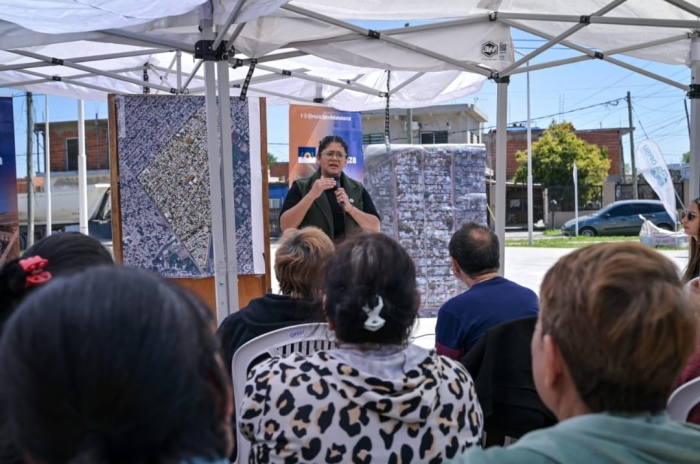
(374, 397)
(613, 333)
(115, 365)
(299, 263)
(57, 255)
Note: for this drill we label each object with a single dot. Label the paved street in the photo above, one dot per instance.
(526, 266)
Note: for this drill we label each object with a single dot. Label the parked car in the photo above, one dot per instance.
(620, 218)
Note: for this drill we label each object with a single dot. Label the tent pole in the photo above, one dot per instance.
(82, 59)
(354, 87)
(592, 54)
(47, 168)
(82, 170)
(178, 54)
(230, 20)
(685, 6)
(614, 20)
(694, 95)
(530, 195)
(215, 190)
(149, 39)
(552, 42)
(228, 183)
(387, 39)
(192, 75)
(501, 162)
(605, 53)
(80, 67)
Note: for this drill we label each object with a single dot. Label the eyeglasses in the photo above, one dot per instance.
(688, 214)
(334, 154)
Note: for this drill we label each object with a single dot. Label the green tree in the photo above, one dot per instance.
(686, 157)
(553, 158)
(271, 159)
(554, 155)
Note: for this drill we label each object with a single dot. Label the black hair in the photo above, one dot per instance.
(363, 269)
(475, 248)
(327, 140)
(115, 365)
(66, 253)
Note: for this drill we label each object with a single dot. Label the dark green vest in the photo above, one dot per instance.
(320, 214)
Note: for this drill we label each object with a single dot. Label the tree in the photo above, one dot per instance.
(553, 158)
(271, 159)
(686, 157)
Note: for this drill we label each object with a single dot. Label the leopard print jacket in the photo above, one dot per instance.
(319, 409)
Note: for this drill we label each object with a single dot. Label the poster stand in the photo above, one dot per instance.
(250, 285)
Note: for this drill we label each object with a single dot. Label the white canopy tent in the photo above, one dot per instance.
(306, 50)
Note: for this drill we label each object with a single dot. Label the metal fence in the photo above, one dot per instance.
(561, 198)
(274, 220)
(645, 192)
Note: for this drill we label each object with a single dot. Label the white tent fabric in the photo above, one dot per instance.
(95, 27)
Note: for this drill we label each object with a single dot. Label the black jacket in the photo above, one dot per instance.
(501, 365)
(263, 315)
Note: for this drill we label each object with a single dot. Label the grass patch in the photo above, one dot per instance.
(568, 242)
(552, 233)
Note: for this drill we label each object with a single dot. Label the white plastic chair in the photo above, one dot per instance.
(683, 400)
(304, 339)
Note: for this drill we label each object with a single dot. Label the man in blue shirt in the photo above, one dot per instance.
(489, 300)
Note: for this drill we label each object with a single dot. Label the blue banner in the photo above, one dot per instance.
(9, 227)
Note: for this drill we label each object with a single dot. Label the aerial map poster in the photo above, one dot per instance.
(423, 194)
(9, 228)
(164, 185)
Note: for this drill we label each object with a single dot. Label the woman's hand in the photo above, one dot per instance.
(321, 185)
(343, 199)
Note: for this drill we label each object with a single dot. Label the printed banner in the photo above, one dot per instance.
(651, 164)
(308, 125)
(9, 226)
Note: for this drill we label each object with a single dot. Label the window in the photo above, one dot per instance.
(372, 139)
(71, 154)
(430, 138)
(619, 211)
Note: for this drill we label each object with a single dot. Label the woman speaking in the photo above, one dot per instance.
(328, 199)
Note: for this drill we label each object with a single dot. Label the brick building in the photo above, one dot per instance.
(64, 144)
(610, 138)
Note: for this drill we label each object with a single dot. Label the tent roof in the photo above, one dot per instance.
(305, 49)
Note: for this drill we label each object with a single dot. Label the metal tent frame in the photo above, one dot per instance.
(215, 53)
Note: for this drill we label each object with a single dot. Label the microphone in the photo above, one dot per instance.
(336, 178)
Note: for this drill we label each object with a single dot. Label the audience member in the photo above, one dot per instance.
(691, 227)
(115, 365)
(614, 332)
(489, 300)
(692, 367)
(54, 256)
(373, 397)
(299, 263)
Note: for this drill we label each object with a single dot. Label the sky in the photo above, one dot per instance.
(590, 94)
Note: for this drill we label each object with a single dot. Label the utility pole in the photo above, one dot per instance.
(30, 170)
(409, 125)
(634, 169)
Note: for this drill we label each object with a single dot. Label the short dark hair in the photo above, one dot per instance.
(362, 269)
(114, 365)
(624, 326)
(66, 253)
(476, 249)
(327, 140)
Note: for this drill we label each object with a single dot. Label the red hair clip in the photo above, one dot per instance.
(34, 269)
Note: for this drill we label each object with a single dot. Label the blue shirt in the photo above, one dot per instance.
(463, 319)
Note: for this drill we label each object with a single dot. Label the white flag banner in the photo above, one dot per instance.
(651, 164)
